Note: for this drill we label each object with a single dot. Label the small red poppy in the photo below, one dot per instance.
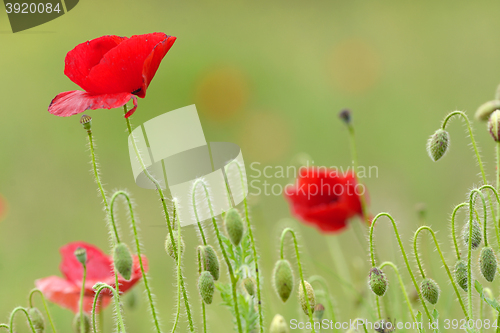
(66, 291)
(112, 70)
(325, 198)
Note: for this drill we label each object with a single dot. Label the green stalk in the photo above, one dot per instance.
(82, 293)
(322, 282)
(179, 272)
(119, 319)
(13, 314)
(44, 305)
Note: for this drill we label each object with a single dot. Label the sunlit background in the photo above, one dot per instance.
(270, 77)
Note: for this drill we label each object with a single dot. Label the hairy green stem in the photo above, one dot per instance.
(4, 326)
(179, 272)
(33, 291)
(402, 286)
(82, 293)
(362, 321)
(201, 268)
(13, 314)
(453, 232)
(322, 282)
(119, 318)
(299, 265)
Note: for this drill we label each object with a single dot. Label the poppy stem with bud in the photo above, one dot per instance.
(12, 316)
(119, 319)
(319, 279)
(30, 301)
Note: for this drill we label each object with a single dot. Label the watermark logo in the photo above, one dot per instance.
(24, 14)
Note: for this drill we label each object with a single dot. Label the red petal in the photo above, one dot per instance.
(73, 102)
(121, 68)
(153, 61)
(99, 265)
(85, 56)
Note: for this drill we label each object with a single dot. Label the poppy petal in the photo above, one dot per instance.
(153, 61)
(73, 102)
(99, 265)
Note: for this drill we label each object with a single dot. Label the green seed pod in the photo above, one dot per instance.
(37, 319)
(86, 122)
(430, 290)
(123, 260)
(278, 325)
(250, 285)
(378, 281)
(310, 295)
(283, 279)
(319, 311)
(484, 111)
(461, 274)
(86, 323)
(81, 255)
(438, 144)
(211, 263)
(477, 234)
(234, 226)
(169, 248)
(206, 287)
(494, 125)
(488, 263)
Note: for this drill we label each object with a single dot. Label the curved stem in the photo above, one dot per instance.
(4, 326)
(44, 305)
(492, 189)
(234, 279)
(498, 175)
(13, 314)
(252, 241)
(299, 264)
(415, 249)
(322, 282)
(179, 272)
(82, 292)
(402, 286)
(119, 319)
(405, 257)
(167, 216)
(138, 249)
(200, 227)
(453, 233)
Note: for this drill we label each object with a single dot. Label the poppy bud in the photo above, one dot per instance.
(378, 281)
(319, 311)
(494, 125)
(345, 115)
(234, 226)
(477, 235)
(484, 111)
(438, 144)
(430, 290)
(310, 295)
(278, 325)
(36, 319)
(250, 285)
(211, 263)
(81, 255)
(283, 279)
(170, 248)
(461, 274)
(86, 323)
(86, 121)
(206, 286)
(123, 260)
(488, 263)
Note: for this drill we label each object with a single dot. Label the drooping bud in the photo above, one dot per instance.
(488, 263)
(250, 285)
(484, 111)
(278, 325)
(211, 263)
(309, 292)
(283, 279)
(477, 234)
(234, 226)
(461, 274)
(345, 115)
(494, 125)
(81, 255)
(378, 281)
(36, 319)
(319, 311)
(438, 144)
(430, 290)
(206, 287)
(86, 121)
(77, 323)
(123, 260)
(170, 248)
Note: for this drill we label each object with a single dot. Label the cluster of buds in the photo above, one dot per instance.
(209, 263)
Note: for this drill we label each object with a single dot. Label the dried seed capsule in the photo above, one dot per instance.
(278, 325)
(430, 290)
(169, 248)
(81, 255)
(250, 285)
(206, 287)
(438, 144)
(346, 116)
(37, 319)
(86, 121)
(211, 263)
(310, 295)
(283, 279)
(461, 274)
(234, 226)
(494, 125)
(123, 260)
(86, 323)
(477, 234)
(378, 281)
(319, 311)
(485, 110)
(488, 263)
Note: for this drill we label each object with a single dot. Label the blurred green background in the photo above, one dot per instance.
(270, 77)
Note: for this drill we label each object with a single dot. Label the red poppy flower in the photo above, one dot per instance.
(112, 70)
(325, 198)
(66, 291)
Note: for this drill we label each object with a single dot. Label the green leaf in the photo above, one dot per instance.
(491, 302)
